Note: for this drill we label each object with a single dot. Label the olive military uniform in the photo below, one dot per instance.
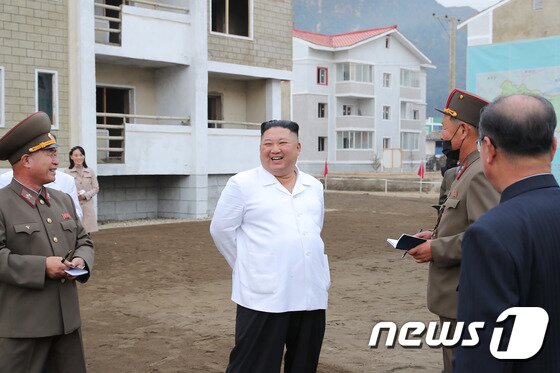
(470, 196)
(39, 316)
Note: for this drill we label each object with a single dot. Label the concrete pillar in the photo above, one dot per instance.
(273, 99)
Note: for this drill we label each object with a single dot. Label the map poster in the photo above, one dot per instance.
(527, 66)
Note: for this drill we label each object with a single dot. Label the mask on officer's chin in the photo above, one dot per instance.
(452, 155)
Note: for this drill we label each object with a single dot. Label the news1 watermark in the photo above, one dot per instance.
(526, 339)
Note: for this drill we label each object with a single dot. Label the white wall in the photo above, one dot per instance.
(172, 96)
(142, 81)
(153, 35)
(479, 29)
(234, 98)
(232, 150)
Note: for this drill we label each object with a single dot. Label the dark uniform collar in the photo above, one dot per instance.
(539, 181)
(29, 195)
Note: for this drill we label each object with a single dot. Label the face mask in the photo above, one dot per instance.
(452, 155)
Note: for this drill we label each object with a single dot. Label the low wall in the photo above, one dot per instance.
(381, 185)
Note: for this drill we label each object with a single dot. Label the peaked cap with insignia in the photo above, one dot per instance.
(464, 106)
(28, 136)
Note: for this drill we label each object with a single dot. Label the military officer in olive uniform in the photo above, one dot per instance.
(40, 238)
(471, 195)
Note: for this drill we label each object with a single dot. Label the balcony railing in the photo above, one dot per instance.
(232, 124)
(108, 28)
(111, 132)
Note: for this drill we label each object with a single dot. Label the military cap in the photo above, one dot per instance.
(464, 106)
(28, 136)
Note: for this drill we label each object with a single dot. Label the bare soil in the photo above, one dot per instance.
(159, 296)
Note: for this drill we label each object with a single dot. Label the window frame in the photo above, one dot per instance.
(353, 137)
(416, 141)
(388, 112)
(55, 109)
(411, 78)
(321, 78)
(250, 26)
(321, 110)
(321, 143)
(349, 71)
(386, 80)
(387, 141)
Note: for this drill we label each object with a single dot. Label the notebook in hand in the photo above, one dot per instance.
(405, 242)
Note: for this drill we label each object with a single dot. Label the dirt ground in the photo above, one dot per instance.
(159, 296)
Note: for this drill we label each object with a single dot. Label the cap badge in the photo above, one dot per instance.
(43, 144)
(449, 111)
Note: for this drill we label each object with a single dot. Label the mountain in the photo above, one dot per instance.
(414, 19)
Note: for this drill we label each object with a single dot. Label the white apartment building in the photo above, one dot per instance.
(360, 100)
(165, 96)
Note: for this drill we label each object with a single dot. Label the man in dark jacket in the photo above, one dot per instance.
(510, 255)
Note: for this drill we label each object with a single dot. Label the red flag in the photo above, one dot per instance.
(326, 170)
(421, 170)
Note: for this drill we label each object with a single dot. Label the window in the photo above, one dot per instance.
(537, 4)
(410, 78)
(322, 110)
(231, 17)
(46, 94)
(386, 142)
(386, 112)
(321, 143)
(416, 114)
(2, 121)
(354, 140)
(346, 110)
(409, 140)
(387, 41)
(322, 75)
(354, 72)
(386, 80)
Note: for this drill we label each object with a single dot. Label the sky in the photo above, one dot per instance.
(476, 4)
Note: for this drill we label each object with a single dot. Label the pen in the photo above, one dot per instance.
(67, 255)
(404, 254)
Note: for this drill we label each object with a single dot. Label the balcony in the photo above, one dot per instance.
(225, 124)
(354, 89)
(133, 144)
(412, 124)
(411, 93)
(134, 32)
(355, 121)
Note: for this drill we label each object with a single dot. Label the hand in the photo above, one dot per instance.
(424, 234)
(422, 253)
(82, 197)
(55, 268)
(75, 263)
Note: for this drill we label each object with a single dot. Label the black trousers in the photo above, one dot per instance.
(260, 338)
(57, 354)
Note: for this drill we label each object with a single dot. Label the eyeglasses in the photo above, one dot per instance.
(479, 143)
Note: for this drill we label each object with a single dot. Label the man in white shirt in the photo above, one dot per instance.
(267, 225)
(63, 182)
